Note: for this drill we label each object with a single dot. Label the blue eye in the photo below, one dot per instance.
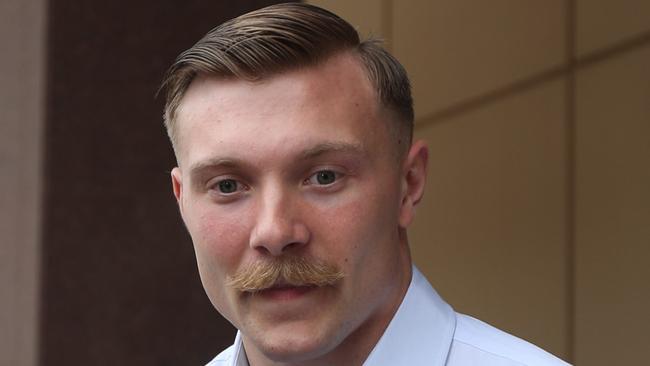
(227, 186)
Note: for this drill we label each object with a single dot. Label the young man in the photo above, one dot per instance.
(297, 179)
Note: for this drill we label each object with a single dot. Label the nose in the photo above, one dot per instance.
(279, 227)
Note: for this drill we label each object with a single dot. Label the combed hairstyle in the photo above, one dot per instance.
(284, 37)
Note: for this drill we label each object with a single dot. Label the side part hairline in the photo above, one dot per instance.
(395, 124)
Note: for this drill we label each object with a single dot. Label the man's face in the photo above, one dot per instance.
(299, 164)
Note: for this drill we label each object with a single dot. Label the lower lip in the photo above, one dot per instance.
(286, 293)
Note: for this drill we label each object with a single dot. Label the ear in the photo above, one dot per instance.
(177, 187)
(413, 179)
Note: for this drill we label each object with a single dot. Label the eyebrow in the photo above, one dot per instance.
(213, 163)
(331, 147)
(311, 153)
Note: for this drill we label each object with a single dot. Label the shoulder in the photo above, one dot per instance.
(475, 341)
(224, 358)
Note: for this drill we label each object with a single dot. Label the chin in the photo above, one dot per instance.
(294, 347)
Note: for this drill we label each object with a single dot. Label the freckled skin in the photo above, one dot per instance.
(356, 223)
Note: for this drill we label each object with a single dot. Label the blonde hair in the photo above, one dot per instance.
(287, 270)
(281, 37)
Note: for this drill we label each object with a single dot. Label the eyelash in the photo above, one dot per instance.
(312, 180)
(239, 186)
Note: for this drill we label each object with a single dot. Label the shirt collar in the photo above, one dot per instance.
(239, 358)
(420, 333)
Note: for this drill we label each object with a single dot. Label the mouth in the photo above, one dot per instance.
(285, 292)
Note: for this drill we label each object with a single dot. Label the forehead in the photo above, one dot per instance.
(331, 102)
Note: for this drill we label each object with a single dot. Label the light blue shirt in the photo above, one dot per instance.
(427, 331)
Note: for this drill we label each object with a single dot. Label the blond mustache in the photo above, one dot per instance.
(285, 271)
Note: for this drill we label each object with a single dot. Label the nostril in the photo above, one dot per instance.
(263, 249)
(277, 250)
(290, 246)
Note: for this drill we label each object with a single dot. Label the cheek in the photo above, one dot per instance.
(359, 226)
(220, 240)
(220, 237)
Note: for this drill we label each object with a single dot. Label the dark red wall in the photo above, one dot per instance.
(120, 285)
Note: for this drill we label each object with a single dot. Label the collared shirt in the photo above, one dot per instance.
(426, 331)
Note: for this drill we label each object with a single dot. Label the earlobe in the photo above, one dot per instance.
(414, 177)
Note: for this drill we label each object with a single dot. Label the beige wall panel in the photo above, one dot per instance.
(365, 15)
(457, 50)
(490, 232)
(613, 211)
(21, 116)
(602, 23)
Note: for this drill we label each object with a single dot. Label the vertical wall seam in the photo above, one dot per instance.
(46, 156)
(42, 160)
(570, 203)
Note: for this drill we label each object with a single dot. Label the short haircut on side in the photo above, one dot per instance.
(280, 38)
